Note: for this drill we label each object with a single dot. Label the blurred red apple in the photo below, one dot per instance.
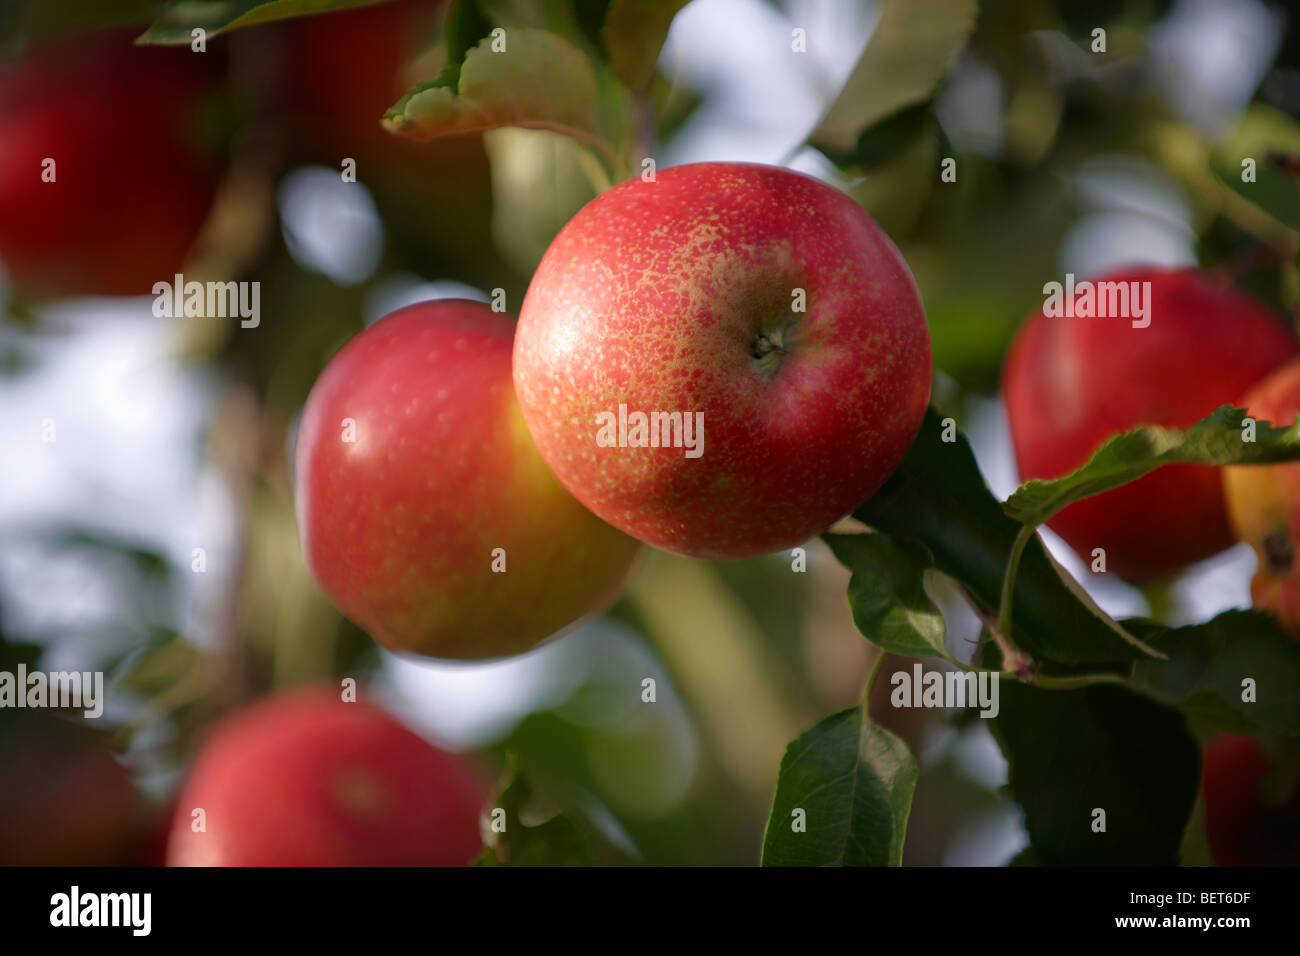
(1244, 827)
(304, 779)
(64, 798)
(1070, 383)
(764, 301)
(344, 69)
(131, 181)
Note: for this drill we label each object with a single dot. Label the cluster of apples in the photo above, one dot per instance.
(454, 498)
(441, 512)
(454, 495)
(454, 501)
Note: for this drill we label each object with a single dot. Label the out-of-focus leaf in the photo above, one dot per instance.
(538, 185)
(540, 81)
(462, 28)
(1212, 174)
(12, 654)
(939, 497)
(557, 841)
(1075, 752)
(1215, 440)
(887, 595)
(1276, 190)
(908, 54)
(1208, 662)
(1025, 857)
(983, 247)
(1272, 139)
(881, 141)
(14, 361)
(218, 16)
(160, 667)
(148, 561)
(896, 190)
(24, 20)
(853, 782)
(672, 103)
(633, 35)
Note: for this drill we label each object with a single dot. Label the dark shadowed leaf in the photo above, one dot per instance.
(854, 783)
(1208, 662)
(939, 497)
(556, 841)
(1275, 190)
(1074, 752)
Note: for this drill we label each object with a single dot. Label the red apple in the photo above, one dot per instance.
(1070, 383)
(305, 779)
(133, 181)
(438, 529)
(1245, 827)
(1264, 502)
(759, 298)
(64, 798)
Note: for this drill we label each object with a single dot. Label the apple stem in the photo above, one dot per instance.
(1003, 632)
(876, 667)
(1278, 551)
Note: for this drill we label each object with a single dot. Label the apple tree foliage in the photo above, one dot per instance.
(1095, 712)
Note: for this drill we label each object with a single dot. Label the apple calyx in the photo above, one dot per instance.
(1278, 551)
(771, 346)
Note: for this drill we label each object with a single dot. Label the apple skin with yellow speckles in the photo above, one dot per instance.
(1264, 503)
(682, 295)
(304, 778)
(424, 510)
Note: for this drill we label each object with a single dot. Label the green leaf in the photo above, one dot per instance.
(1072, 752)
(1271, 138)
(1215, 440)
(1206, 666)
(1274, 190)
(13, 653)
(152, 670)
(877, 143)
(556, 841)
(464, 26)
(938, 497)
(854, 783)
(25, 20)
(908, 54)
(633, 34)
(219, 16)
(462, 29)
(895, 191)
(540, 81)
(887, 595)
